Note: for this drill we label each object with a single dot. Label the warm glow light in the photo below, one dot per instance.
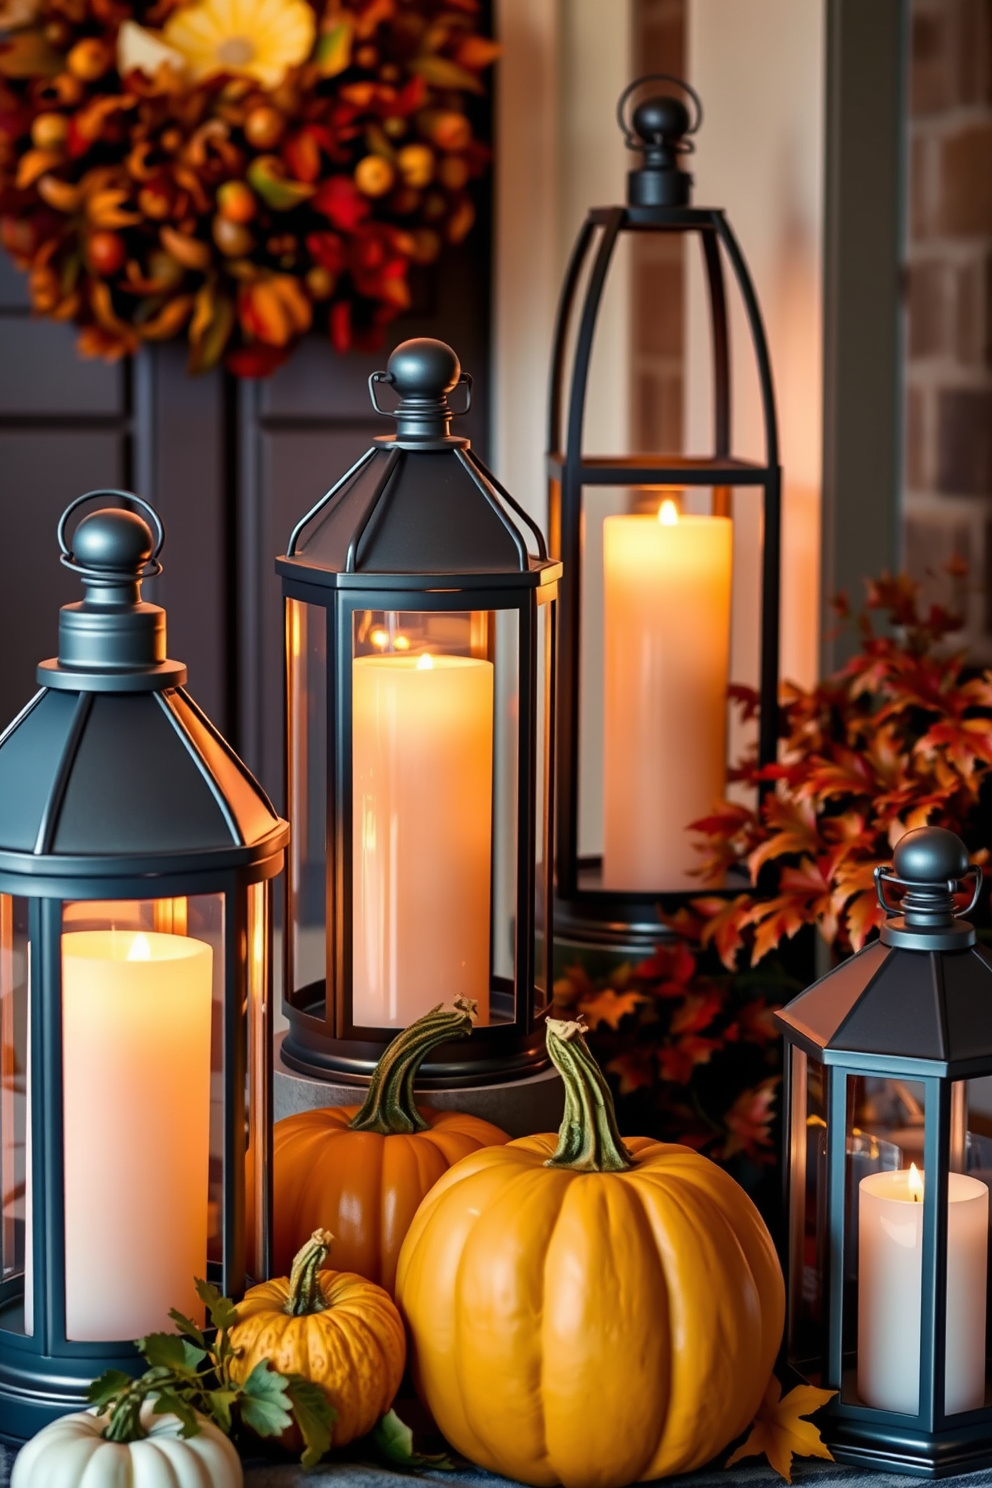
(380, 638)
(915, 1183)
(401, 643)
(425, 663)
(140, 950)
(668, 513)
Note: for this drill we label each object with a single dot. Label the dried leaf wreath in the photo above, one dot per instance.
(234, 171)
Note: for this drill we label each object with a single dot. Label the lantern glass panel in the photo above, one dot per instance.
(542, 779)
(969, 1244)
(259, 1012)
(13, 1081)
(435, 767)
(142, 1051)
(653, 683)
(808, 1189)
(306, 668)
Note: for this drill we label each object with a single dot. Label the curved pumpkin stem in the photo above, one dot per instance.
(589, 1139)
(305, 1296)
(389, 1107)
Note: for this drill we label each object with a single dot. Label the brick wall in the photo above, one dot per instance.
(948, 349)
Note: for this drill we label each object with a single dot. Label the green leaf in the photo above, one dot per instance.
(170, 1402)
(267, 176)
(264, 1403)
(103, 1391)
(445, 74)
(186, 1325)
(172, 1352)
(393, 1440)
(314, 1414)
(333, 51)
(219, 1403)
(223, 1313)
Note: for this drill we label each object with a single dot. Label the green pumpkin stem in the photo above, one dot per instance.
(305, 1296)
(589, 1139)
(125, 1417)
(389, 1107)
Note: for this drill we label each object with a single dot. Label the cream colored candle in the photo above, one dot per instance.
(890, 1289)
(423, 774)
(136, 1011)
(666, 658)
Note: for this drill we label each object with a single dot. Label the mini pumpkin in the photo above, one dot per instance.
(75, 1452)
(589, 1312)
(333, 1327)
(361, 1171)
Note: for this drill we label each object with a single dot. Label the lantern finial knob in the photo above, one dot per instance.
(930, 865)
(423, 371)
(659, 127)
(931, 855)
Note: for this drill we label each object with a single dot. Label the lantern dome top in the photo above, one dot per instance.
(659, 127)
(931, 855)
(112, 768)
(420, 503)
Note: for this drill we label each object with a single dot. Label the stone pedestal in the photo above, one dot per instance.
(520, 1107)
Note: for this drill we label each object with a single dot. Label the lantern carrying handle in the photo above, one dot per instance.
(150, 568)
(884, 875)
(630, 139)
(464, 380)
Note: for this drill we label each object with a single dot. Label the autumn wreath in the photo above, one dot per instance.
(234, 171)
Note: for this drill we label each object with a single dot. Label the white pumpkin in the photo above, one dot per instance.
(72, 1449)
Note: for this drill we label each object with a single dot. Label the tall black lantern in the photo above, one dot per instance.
(651, 582)
(135, 1016)
(888, 1167)
(420, 645)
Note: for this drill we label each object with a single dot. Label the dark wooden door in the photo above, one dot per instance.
(231, 467)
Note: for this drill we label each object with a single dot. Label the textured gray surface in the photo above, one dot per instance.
(520, 1107)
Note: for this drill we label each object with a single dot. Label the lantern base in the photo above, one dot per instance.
(894, 1449)
(533, 1103)
(36, 1389)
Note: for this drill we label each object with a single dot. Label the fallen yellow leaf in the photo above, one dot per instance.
(779, 1432)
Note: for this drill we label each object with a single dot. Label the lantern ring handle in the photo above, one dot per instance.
(151, 567)
(465, 381)
(884, 875)
(629, 138)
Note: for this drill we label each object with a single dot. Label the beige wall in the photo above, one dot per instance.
(759, 66)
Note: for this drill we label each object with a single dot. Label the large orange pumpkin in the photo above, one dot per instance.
(585, 1311)
(361, 1171)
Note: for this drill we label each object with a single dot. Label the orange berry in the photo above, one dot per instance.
(264, 127)
(49, 131)
(416, 163)
(105, 253)
(447, 130)
(394, 126)
(453, 172)
(88, 60)
(367, 56)
(236, 201)
(232, 238)
(320, 283)
(155, 200)
(57, 34)
(374, 175)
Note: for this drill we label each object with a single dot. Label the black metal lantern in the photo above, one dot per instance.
(666, 576)
(888, 1164)
(135, 1018)
(420, 644)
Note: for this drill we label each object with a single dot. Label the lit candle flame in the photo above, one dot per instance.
(140, 949)
(380, 638)
(915, 1183)
(401, 643)
(425, 663)
(668, 513)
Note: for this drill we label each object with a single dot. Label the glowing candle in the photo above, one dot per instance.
(423, 774)
(667, 657)
(136, 1012)
(890, 1290)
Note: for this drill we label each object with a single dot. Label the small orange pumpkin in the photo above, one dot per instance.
(333, 1327)
(361, 1171)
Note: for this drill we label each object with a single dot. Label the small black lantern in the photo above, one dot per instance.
(135, 1015)
(666, 576)
(888, 1166)
(420, 646)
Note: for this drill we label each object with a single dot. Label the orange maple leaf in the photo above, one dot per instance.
(609, 1006)
(779, 1432)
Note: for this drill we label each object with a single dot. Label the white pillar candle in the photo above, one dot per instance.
(890, 1290)
(422, 750)
(666, 657)
(136, 1011)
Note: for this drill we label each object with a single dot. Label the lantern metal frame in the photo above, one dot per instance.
(342, 559)
(238, 843)
(916, 1004)
(658, 201)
